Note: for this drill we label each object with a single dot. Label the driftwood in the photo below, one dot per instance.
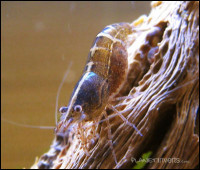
(162, 100)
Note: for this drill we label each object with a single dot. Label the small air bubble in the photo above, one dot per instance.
(133, 4)
(63, 57)
(72, 6)
(39, 26)
(69, 28)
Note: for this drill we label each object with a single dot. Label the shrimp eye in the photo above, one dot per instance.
(78, 108)
(63, 109)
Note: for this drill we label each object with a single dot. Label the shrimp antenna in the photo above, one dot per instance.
(27, 126)
(59, 89)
